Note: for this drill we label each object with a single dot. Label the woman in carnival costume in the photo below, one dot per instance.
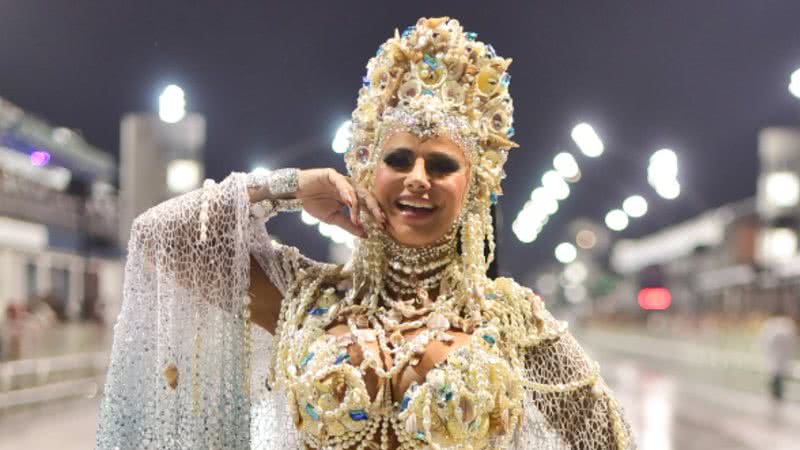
(228, 340)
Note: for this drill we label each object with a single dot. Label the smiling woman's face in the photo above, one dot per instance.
(420, 185)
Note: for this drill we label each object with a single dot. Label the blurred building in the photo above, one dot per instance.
(58, 219)
(705, 263)
(741, 257)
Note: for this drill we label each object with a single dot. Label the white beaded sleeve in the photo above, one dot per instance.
(187, 368)
(567, 403)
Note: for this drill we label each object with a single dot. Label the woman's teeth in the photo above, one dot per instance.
(405, 204)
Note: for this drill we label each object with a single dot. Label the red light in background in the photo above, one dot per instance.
(657, 299)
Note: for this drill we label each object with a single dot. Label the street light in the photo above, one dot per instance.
(635, 206)
(662, 173)
(777, 245)
(183, 175)
(782, 189)
(555, 185)
(543, 199)
(341, 142)
(663, 166)
(794, 83)
(524, 231)
(566, 253)
(617, 220)
(670, 190)
(172, 104)
(566, 166)
(587, 140)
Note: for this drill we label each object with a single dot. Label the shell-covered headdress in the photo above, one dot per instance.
(436, 79)
(433, 79)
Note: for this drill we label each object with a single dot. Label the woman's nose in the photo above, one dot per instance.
(417, 178)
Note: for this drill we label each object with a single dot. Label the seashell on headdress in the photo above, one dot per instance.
(436, 79)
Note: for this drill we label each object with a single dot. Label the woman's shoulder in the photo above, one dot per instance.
(520, 298)
(527, 308)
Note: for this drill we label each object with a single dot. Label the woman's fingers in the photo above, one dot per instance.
(354, 198)
(342, 221)
(346, 192)
(374, 207)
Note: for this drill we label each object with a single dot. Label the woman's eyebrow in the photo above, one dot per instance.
(398, 150)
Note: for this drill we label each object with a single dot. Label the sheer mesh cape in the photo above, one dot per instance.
(189, 371)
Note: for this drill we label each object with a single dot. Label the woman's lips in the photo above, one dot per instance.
(408, 211)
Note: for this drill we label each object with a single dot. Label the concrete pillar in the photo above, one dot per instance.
(76, 269)
(147, 146)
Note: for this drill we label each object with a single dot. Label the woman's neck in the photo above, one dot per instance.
(417, 272)
(414, 275)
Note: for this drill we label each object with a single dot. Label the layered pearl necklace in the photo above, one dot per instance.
(398, 299)
(393, 290)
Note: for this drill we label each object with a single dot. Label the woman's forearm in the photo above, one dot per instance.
(276, 185)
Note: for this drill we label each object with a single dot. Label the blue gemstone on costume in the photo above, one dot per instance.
(491, 295)
(358, 414)
(306, 359)
(491, 51)
(404, 403)
(426, 91)
(447, 392)
(379, 51)
(489, 339)
(311, 412)
(342, 358)
(493, 199)
(505, 80)
(365, 81)
(408, 30)
(471, 35)
(420, 435)
(318, 311)
(430, 61)
(510, 132)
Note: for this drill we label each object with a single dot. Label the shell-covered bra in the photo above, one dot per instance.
(472, 399)
(473, 394)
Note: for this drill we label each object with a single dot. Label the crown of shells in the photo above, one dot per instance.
(434, 78)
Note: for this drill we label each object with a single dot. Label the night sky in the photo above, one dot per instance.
(274, 80)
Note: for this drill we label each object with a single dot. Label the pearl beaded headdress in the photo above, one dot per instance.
(436, 79)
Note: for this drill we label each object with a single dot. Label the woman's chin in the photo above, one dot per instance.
(412, 237)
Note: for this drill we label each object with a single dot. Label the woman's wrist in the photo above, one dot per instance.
(281, 184)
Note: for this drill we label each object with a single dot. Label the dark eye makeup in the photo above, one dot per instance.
(401, 158)
(439, 163)
(435, 163)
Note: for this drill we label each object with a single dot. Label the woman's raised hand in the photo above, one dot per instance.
(325, 193)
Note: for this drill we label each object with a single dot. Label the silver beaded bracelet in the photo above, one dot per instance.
(281, 183)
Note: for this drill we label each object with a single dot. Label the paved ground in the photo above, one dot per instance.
(668, 410)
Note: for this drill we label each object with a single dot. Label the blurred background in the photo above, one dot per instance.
(654, 202)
